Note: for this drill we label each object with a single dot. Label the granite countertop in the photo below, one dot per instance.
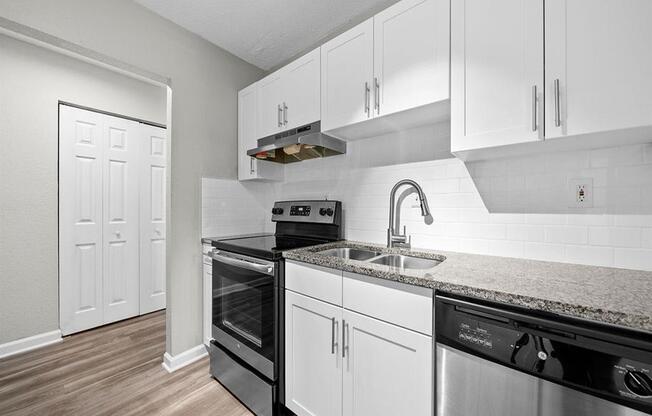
(614, 296)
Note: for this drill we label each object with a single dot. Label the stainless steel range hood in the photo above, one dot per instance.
(302, 143)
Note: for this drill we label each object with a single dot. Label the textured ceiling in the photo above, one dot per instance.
(265, 33)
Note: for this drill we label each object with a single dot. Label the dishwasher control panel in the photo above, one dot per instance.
(580, 357)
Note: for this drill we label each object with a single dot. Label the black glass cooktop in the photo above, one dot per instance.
(266, 246)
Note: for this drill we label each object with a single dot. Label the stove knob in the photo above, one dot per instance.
(329, 212)
(638, 383)
(277, 211)
(322, 211)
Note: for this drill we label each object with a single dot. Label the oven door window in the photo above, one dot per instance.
(243, 306)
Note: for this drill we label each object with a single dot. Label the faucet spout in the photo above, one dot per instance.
(394, 238)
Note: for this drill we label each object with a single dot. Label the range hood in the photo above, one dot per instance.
(295, 145)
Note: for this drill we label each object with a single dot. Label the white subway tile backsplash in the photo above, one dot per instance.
(516, 207)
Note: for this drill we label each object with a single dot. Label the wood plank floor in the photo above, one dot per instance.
(113, 370)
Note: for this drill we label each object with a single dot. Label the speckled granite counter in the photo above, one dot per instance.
(608, 295)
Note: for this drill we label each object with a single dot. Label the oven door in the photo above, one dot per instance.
(244, 306)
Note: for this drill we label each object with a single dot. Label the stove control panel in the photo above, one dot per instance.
(318, 212)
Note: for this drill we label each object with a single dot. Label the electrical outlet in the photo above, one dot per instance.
(580, 192)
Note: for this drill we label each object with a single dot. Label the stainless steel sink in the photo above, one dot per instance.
(351, 253)
(406, 262)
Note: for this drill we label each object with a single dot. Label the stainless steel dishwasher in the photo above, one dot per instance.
(494, 360)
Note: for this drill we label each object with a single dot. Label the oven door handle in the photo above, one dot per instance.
(256, 267)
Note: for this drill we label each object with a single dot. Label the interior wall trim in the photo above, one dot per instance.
(29, 343)
(172, 363)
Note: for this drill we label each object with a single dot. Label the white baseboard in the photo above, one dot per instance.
(172, 363)
(30, 343)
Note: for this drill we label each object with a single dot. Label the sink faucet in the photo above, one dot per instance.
(394, 237)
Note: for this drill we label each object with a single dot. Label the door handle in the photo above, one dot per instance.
(332, 335)
(279, 115)
(251, 165)
(534, 108)
(285, 114)
(256, 267)
(376, 95)
(343, 338)
(557, 104)
(367, 93)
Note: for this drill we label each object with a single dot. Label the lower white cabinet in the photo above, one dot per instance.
(341, 362)
(207, 298)
(387, 369)
(313, 363)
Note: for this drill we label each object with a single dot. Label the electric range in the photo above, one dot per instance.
(247, 351)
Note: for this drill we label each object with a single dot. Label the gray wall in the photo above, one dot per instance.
(205, 81)
(33, 81)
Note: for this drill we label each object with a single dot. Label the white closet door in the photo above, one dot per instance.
(120, 212)
(152, 218)
(80, 219)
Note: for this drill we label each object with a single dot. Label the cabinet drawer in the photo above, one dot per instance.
(315, 281)
(397, 303)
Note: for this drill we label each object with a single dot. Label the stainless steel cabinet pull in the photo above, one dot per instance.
(332, 335)
(534, 108)
(279, 112)
(557, 106)
(367, 92)
(377, 95)
(285, 114)
(343, 338)
(251, 165)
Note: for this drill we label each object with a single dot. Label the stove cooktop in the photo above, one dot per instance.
(265, 246)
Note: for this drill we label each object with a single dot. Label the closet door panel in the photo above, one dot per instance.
(121, 222)
(152, 218)
(80, 220)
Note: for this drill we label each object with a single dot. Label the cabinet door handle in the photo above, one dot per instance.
(367, 93)
(279, 115)
(557, 104)
(251, 165)
(343, 338)
(376, 95)
(285, 114)
(534, 108)
(332, 335)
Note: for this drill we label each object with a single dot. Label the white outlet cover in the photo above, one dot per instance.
(574, 186)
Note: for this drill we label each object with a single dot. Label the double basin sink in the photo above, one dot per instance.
(398, 261)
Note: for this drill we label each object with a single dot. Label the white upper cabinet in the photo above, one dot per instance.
(599, 56)
(248, 116)
(597, 90)
(301, 86)
(411, 55)
(497, 73)
(396, 61)
(347, 77)
(270, 104)
(247, 128)
(289, 97)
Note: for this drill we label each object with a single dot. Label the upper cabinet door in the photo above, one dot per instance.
(270, 104)
(247, 131)
(387, 369)
(411, 55)
(598, 65)
(301, 85)
(497, 73)
(347, 77)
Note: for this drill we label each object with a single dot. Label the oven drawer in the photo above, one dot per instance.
(315, 281)
(256, 393)
(397, 303)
